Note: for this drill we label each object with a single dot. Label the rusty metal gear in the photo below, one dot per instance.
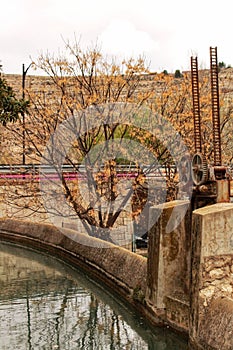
(199, 169)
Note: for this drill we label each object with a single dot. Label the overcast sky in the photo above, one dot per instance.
(167, 32)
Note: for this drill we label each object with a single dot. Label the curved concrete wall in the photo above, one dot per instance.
(123, 271)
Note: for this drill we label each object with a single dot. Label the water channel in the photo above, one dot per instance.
(46, 304)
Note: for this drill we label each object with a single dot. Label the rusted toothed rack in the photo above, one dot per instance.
(196, 104)
(215, 106)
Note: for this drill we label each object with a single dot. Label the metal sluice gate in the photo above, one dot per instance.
(211, 182)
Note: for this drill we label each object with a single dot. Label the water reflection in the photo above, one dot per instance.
(45, 304)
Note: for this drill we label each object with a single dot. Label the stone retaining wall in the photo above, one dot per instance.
(216, 327)
(211, 323)
(23, 201)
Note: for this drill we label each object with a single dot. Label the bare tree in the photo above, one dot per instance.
(83, 119)
(94, 122)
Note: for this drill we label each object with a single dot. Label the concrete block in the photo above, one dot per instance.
(169, 259)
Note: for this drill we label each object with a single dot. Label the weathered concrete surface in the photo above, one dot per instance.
(168, 272)
(216, 328)
(114, 264)
(212, 275)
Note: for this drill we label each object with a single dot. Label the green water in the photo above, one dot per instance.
(45, 304)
